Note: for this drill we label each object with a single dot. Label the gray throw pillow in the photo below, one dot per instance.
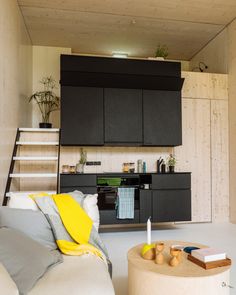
(33, 223)
(25, 259)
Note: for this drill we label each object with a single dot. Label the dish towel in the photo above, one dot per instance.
(125, 203)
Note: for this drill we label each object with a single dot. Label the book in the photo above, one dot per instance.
(208, 254)
(210, 265)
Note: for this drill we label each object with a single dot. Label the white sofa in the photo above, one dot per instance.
(77, 275)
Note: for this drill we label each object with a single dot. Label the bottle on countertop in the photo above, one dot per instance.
(163, 167)
(144, 167)
(140, 166)
(159, 162)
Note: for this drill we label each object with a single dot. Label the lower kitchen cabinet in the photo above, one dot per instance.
(167, 200)
(171, 205)
(145, 197)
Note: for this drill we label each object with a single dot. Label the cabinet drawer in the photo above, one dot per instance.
(84, 189)
(78, 180)
(109, 217)
(171, 181)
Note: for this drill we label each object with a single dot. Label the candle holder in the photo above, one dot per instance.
(148, 251)
(159, 256)
(174, 253)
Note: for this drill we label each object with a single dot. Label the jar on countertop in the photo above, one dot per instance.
(65, 169)
(125, 167)
(131, 167)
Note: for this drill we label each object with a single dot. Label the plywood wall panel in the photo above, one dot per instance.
(194, 155)
(112, 158)
(205, 85)
(220, 160)
(15, 83)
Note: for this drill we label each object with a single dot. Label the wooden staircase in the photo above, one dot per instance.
(34, 150)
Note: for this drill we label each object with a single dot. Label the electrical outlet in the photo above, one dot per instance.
(93, 163)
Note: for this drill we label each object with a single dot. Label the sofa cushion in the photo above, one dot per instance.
(33, 223)
(25, 259)
(86, 274)
(8, 287)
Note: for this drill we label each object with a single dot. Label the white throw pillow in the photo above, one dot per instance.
(21, 200)
(91, 208)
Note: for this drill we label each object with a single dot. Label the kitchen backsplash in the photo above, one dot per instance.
(112, 158)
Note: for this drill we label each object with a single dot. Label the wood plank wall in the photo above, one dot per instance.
(205, 149)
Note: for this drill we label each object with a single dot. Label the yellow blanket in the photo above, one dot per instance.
(75, 220)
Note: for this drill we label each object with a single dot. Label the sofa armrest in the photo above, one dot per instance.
(8, 287)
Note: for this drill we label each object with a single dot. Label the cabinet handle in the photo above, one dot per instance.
(225, 285)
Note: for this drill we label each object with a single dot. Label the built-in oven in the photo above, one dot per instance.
(107, 188)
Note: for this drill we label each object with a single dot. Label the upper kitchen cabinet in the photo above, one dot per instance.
(112, 101)
(162, 123)
(123, 116)
(82, 116)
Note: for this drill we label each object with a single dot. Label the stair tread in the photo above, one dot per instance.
(21, 175)
(39, 158)
(37, 143)
(9, 194)
(39, 129)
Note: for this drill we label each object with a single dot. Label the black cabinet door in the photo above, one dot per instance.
(171, 205)
(123, 115)
(145, 205)
(162, 118)
(82, 116)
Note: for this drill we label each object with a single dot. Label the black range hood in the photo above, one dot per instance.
(108, 72)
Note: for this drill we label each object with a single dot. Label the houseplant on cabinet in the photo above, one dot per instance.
(46, 100)
(82, 161)
(171, 162)
(161, 52)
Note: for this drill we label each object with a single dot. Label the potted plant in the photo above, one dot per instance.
(82, 161)
(171, 162)
(161, 52)
(46, 100)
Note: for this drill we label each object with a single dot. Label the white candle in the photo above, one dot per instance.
(149, 231)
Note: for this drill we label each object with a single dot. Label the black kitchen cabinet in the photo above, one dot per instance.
(167, 200)
(126, 102)
(145, 205)
(123, 116)
(162, 125)
(91, 71)
(86, 183)
(171, 181)
(82, 116)
(171, 205)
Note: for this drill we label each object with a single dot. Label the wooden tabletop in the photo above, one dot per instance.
(185, 269)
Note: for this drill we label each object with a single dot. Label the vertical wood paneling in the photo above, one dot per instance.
(205, 85)
(15, 83)
(194, 155)
(220, 160)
